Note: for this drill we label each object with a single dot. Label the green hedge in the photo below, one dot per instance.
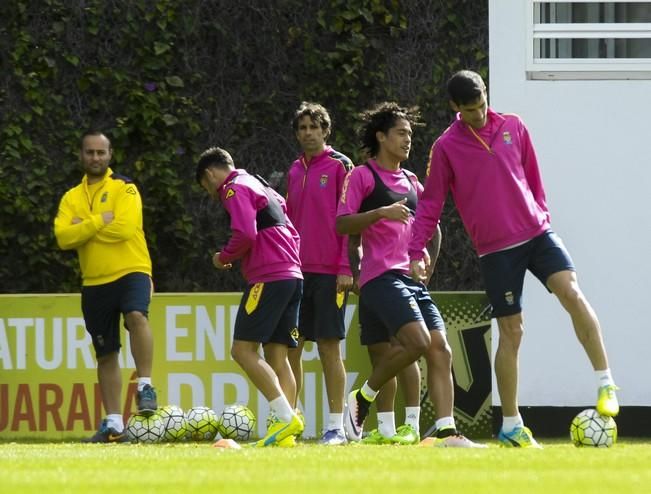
(165, 79)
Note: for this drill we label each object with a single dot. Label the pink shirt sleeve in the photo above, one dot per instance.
(344, 262)
(241, 206)
(532, 170)
(357, 186)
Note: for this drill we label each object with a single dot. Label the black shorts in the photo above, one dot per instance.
(322, 308)
(390, 301)
(268, 312)
(102, 306)
(504, 271)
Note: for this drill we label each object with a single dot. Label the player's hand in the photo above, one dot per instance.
(418, 270)
(355, 287)
(218, 264)
(76, 220)
(396, 211)
(344, 282)
(108, 216)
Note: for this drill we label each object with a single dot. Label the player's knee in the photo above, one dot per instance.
(511, 330)
(572, 297)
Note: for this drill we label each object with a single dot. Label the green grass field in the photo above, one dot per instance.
(309, 468)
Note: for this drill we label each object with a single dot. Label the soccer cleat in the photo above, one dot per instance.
(607, 403)
(107, 434)
(356, 413)
(374, 437)
(520, 437)
(288, 442)
(146, 401)
(300, 416)
(333, 437)
(405, 435)
(453, 441)
(281, 430)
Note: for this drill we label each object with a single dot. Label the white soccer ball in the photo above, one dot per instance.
(174, 422)
(589, 428)
(202, 423)
(145, 429)
(237, 422)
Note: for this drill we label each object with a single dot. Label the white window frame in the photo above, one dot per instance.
(584, 68)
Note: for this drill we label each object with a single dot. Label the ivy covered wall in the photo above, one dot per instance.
(167, 78)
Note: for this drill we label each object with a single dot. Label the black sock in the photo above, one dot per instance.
(446, 432)
(363, 406)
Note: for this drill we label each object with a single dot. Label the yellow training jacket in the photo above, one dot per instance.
(106, 252)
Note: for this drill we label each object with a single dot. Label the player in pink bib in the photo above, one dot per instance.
(398, 320)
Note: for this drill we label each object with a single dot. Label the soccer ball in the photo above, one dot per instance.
(237, 422)
(589, 428)
(202, 423)
(145, 429)
(174, 423)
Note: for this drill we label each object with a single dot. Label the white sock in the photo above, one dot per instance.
(412, 417)
(281, 408)
(386, 423)
(142, 381)
(335, 421)
(115, 421)
(511, 423)
(367, 392)
(604, 378)
(445, 423)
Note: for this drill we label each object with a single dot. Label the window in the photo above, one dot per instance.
(589, 39)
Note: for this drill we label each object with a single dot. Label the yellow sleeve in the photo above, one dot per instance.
(127, 216)
(69, 235)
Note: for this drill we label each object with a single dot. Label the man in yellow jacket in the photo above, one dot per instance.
(102, 219)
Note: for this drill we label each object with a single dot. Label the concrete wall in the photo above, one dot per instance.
(593, 143)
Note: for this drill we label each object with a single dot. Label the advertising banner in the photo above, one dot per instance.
(48, 386)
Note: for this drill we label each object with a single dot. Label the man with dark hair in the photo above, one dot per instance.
(314, 185)
(266, 243)
(398, 319)
(102, 219)
(488, 163)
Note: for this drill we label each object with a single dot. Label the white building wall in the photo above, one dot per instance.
(593, 140)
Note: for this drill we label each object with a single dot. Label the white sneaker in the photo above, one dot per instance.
(453, 441)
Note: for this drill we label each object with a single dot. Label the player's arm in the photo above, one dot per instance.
(354, 258)
(344, 276)
(531, 168)
(71, 231)
(241, 208)
(430, 203)
(433, 250)
(127, 216)
(353, 224)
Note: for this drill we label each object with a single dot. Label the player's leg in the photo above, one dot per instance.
(584, 319)
(295, 357)
(136, 290)
(268, 315)
(553, 265)
(384, 401)
(327, 327)
(506, 362)
(503, 273)
(275, 354)
(102, 318)
(393, 305)
(306, 317)
(409, 381)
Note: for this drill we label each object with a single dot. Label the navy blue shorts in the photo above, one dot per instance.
(390, 301)
(322, 308)
(102, 306)
(504, 271)
(268, 312)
